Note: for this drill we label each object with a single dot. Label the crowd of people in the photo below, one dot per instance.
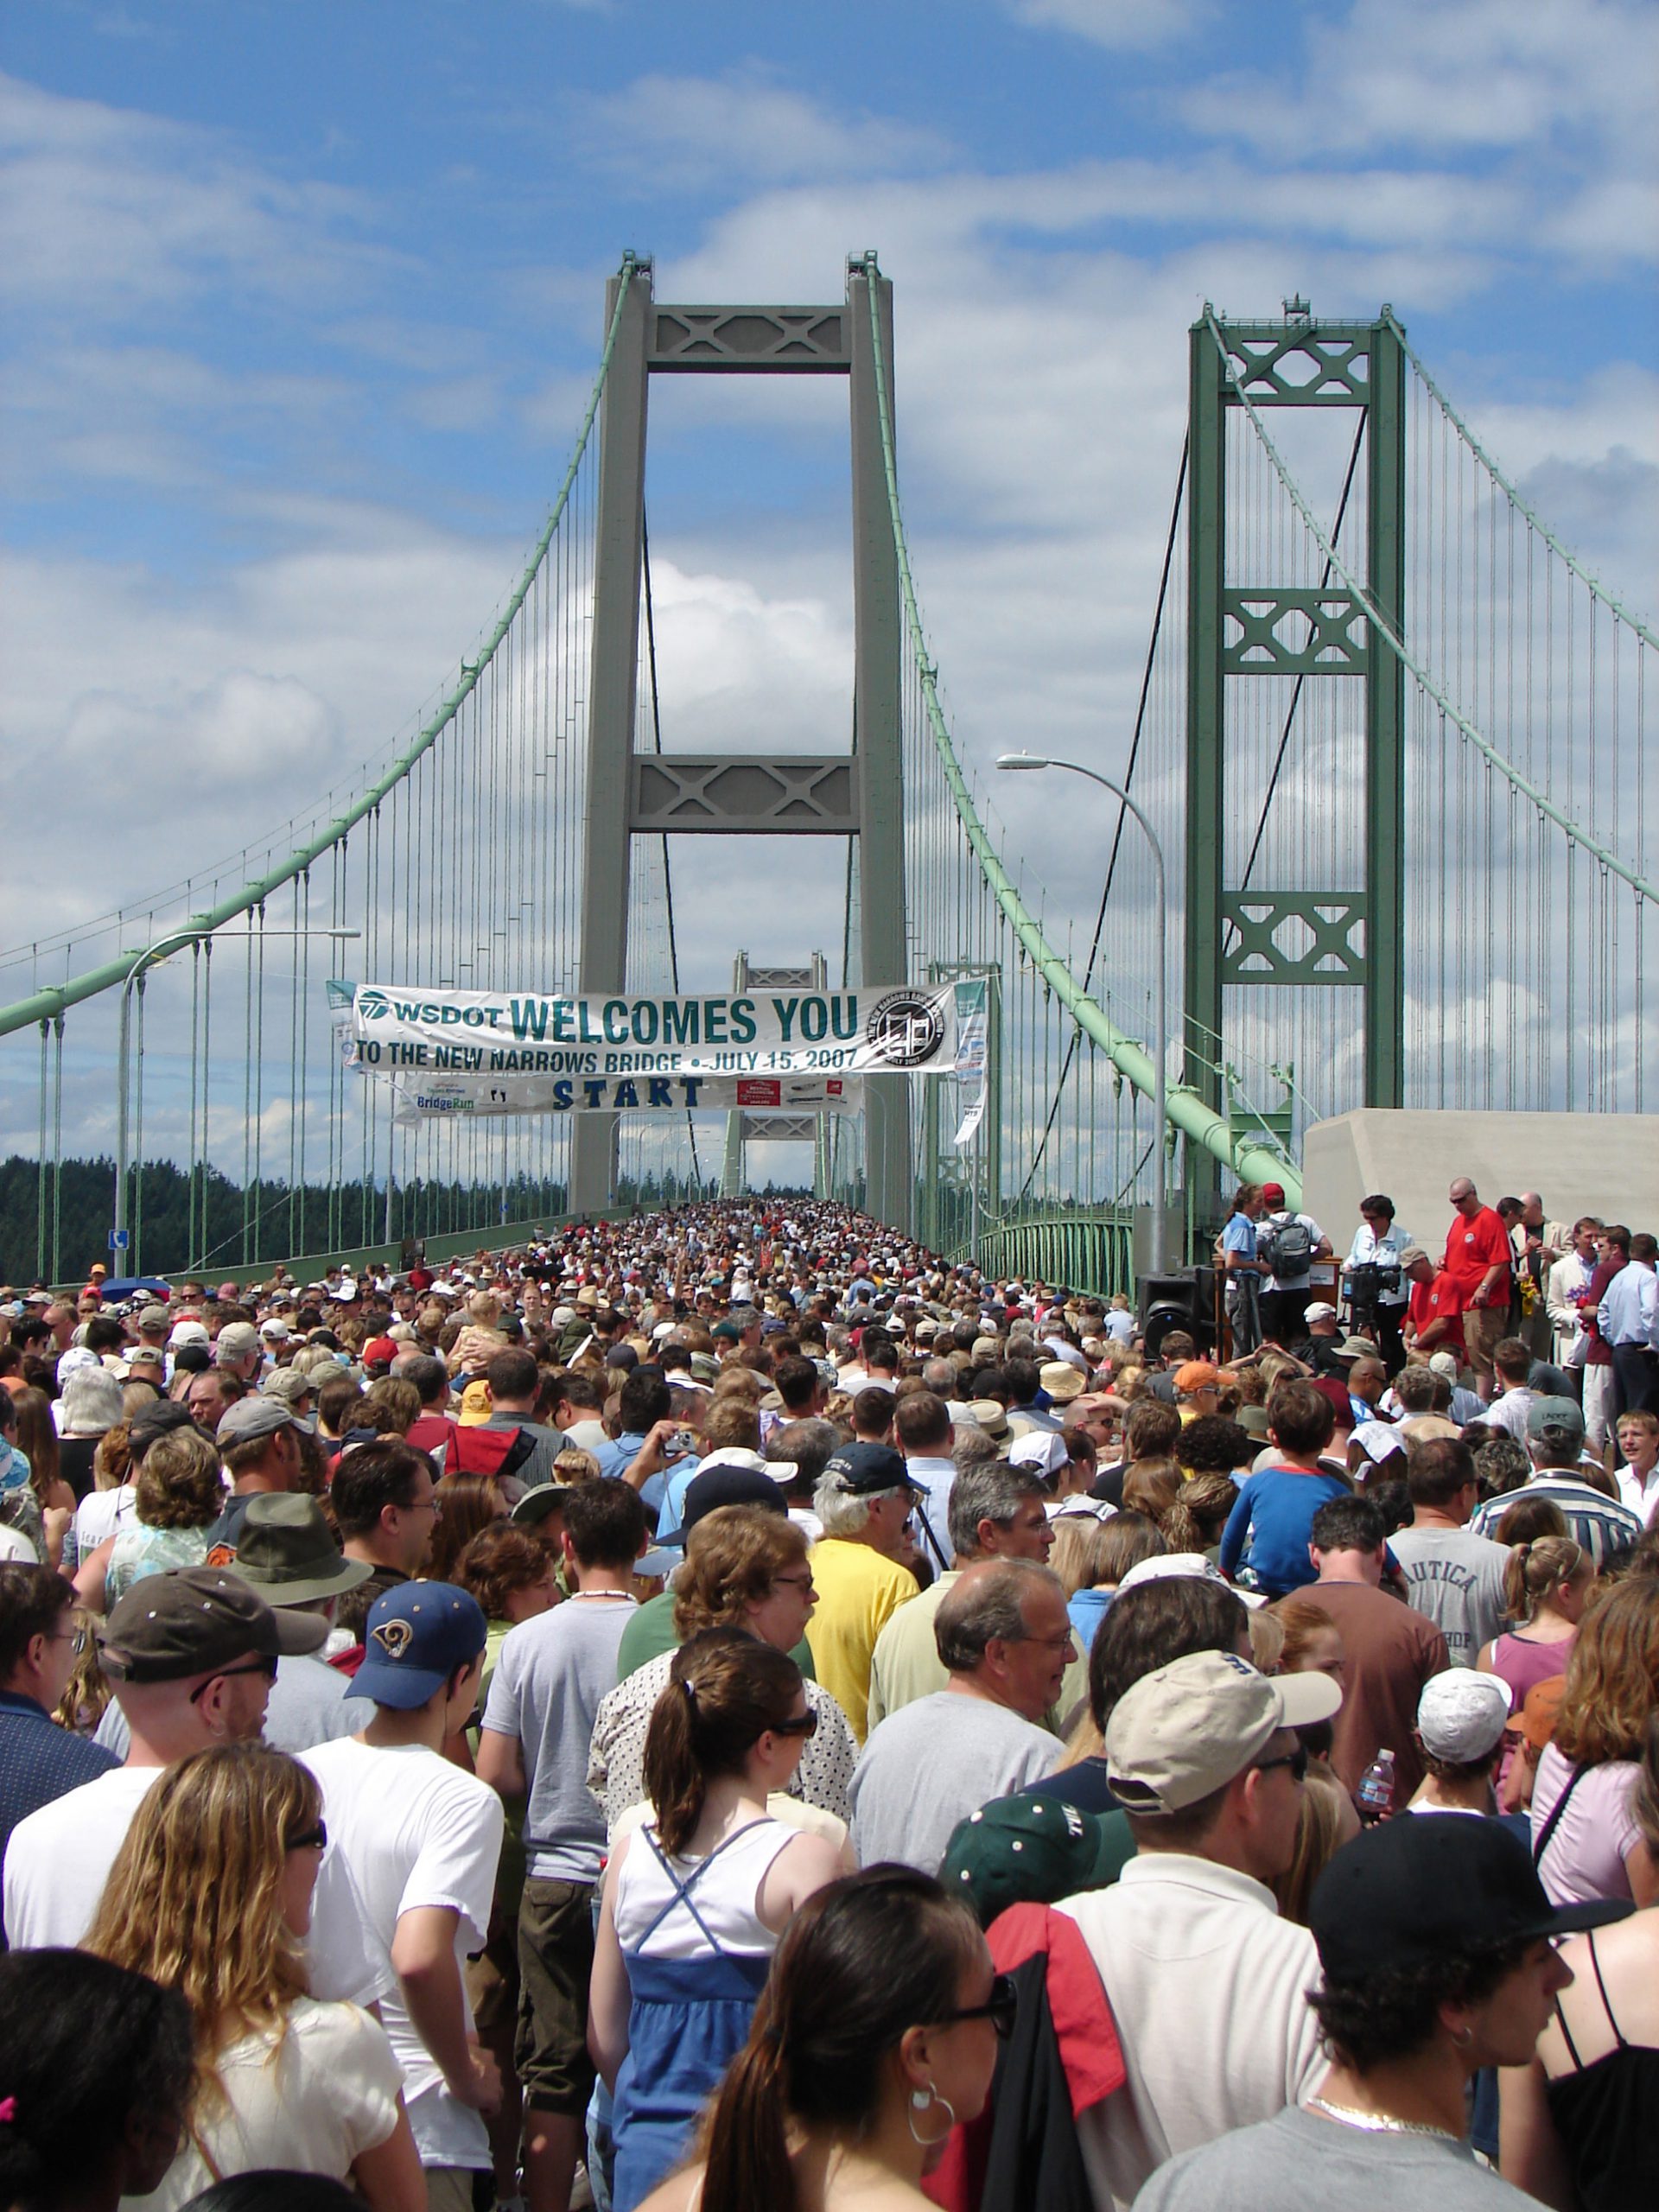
(721, 1710)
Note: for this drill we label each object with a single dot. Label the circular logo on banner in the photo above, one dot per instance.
(373, 1006)
(906, 1029)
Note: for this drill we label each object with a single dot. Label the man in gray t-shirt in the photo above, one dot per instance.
(1453, 1577)
(1005, 1641)
(538, 1723)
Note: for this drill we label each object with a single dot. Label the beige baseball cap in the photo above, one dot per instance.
(1186, 1730)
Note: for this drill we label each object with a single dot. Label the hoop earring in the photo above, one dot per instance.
(1462, 2038)
(922, 2101)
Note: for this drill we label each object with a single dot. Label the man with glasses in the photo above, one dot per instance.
(386, 1506)
(1207, 1985)
(192, 1656)
(1005, 1642)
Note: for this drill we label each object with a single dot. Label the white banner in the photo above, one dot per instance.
(896, 1029)
(972, 1118)
(420, 1098)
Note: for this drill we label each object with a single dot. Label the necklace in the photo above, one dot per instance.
(1379, 2123)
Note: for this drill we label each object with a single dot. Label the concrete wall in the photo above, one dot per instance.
(1604, 1164)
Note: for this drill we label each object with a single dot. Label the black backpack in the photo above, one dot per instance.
(1288, 1249)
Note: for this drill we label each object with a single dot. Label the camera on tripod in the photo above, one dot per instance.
(1363, 1285)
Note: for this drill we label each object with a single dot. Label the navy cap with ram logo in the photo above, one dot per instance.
(416, 1635)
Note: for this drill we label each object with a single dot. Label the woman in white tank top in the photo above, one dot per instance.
(696, 1897)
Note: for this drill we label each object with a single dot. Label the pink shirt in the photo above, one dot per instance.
(1586, 1853)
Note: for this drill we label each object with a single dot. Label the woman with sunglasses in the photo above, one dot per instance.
(697, 1894)
(876, 2036)
(211, 1895)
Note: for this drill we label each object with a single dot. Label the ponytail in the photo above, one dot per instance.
(674, 1782)
(1535, 1567)
(725, 1689)
(745, 2143)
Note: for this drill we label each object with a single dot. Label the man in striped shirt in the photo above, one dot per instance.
(1595, 1520)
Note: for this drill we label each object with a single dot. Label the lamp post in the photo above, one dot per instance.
(1020, 761)
(151, 957)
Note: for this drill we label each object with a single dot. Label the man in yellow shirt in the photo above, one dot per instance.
(864, 1499)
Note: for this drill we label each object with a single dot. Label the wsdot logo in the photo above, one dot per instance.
(372, 1006)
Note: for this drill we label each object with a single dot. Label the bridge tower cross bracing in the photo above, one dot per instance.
(1243, 627)
(857, 794)
(745, 1125)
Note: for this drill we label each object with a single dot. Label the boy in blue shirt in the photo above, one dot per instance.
(1268, 1529)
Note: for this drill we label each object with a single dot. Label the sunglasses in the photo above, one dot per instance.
(1296, 1760)
(315, 1839)
(1001, 2008)
(805, 1725)
(265, 1667)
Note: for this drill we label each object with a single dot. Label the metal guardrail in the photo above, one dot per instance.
(1088, 1252)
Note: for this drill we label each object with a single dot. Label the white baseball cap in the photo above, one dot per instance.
(1041, 1449)
(1461, 1715)
(1178, 1566)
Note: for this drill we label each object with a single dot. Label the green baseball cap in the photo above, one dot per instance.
(1033, 1850)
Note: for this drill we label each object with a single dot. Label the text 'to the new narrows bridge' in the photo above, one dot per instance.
(1390, 746)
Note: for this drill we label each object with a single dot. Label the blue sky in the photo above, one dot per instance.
(301, 303)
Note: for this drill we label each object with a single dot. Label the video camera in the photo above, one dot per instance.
(1363, 1286)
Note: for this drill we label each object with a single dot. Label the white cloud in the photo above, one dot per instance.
(1040, 381)
(107, 211)
(729, 133)
(1480, 75)
(1121, 25)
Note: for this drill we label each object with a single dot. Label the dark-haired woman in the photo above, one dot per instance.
(876, 2035)
(97, 2068)
(696, 1897)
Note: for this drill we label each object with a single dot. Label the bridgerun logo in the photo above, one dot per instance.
(373, 1006)
(904, 1029)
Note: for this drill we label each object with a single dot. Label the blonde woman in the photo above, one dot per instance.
(211, 1895)
(1083, 1557)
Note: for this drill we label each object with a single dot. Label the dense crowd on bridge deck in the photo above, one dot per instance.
(723, 1708)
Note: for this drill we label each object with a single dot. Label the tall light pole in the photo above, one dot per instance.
(1020, 761)
(151, 957)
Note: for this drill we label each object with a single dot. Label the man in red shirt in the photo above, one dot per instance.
(1435, 1311)
(1478, 1258)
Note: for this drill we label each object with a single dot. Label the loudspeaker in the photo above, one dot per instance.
(1182, 1298)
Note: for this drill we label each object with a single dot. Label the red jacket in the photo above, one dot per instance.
(1022, 2151)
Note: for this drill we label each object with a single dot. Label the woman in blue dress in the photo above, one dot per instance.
(696, 1896)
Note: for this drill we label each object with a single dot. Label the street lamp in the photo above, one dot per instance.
(151, 957)
(1018, 761)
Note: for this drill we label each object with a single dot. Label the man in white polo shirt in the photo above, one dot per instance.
(1207, 1985)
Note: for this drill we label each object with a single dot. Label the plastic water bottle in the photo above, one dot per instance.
(1374, 1799)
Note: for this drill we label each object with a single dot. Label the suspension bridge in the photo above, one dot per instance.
(1379, 836)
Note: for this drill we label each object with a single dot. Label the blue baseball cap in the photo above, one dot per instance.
(865, 1469)
(417, 1635)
